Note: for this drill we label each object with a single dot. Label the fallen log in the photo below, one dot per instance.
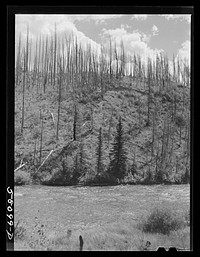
(20, 166)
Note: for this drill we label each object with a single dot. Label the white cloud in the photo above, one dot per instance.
(155, 30)
(125, 26)
(145, 37)
(176, 17)
(97, 18)
(139, 17)
(182, 57)
(134, 42)
(45, 25)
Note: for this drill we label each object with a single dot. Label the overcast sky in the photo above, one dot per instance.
(142, 34)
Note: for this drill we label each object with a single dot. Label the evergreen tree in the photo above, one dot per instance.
(159, 176)
(149, 178)
(117, 167)
(76, 171)
(79, 165)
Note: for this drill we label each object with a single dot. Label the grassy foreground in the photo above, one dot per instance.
(111, 218)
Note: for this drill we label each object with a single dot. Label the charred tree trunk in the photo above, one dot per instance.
(54, 62)
(23, 93)
(41, 136)
(59, 101)
(75, 123)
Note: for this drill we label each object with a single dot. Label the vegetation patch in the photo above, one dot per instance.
(180, 120)
(162, 220)
(19, 230)
(22, 177)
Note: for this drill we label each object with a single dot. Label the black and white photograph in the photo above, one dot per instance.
(102, 132)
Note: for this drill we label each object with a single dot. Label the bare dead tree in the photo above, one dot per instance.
(149, 81)
(109, 128)
(18, 62)
(45, 66)
(41, 136)
(39, 64)
(110, 56)
(154, 128)
(59, 98)
(75, 123)
(55, 55)
(34, 153)
(23, 93)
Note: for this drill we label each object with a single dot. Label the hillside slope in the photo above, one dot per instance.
(162, 144)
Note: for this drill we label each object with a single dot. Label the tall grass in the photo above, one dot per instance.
(118, 236)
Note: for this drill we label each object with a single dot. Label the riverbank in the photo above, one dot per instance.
(106, 217)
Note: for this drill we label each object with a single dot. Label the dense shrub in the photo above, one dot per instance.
(18, 133)
(22, 178)
(96, 97)
(97, 179)
(186, 177)
(36, 133)
(166, 97)
(128, 94)
(148, 178)
(19, 230)
(58, 177)
(187, 217)
(83, 100)
(180, 121)
(162, 220)
(129, 179)
(88, 178)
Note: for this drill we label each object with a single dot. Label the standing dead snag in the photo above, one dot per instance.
(41, 135)
(23, 93)
(59, 100)
(34, 154)
(110, 58)
(99, 153)
(25, 75)
(154, 129)
(109, 129)
(54, 58)
(149, 81)
(18, 63)
(75, 123)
